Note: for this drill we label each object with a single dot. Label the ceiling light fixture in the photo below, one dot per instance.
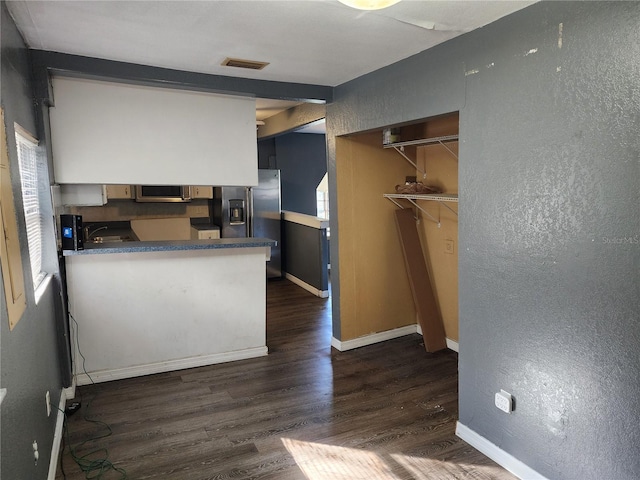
(369, 4)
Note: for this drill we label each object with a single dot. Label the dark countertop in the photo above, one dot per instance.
(165, 246)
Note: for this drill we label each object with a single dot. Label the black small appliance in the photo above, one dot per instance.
(71, 230)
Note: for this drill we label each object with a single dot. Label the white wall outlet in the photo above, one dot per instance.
(36, 453)
(47, 398)
(504, 401)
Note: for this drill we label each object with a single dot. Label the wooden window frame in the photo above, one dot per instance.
(10, 255)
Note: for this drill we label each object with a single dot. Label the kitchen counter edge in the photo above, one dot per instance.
(166, 246)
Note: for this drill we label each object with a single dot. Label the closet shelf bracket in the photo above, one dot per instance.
(400, 150)
(442, 199)
(443, 140)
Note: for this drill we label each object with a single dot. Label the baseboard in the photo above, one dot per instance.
(451, 344)
(495, 453)
(371, 339)
(65, 394)
(306, 286)
(170, 365)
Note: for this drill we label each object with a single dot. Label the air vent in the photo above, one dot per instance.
(240, 63)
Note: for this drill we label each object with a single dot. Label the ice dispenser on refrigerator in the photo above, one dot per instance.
(229, 211)
(252, 212)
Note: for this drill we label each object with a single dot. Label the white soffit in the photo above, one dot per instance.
(305, 41)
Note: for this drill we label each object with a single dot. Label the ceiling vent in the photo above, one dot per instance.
(240, 63)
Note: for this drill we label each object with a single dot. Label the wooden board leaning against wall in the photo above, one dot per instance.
(440, 244)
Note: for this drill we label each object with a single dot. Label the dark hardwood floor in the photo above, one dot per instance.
(386, 411)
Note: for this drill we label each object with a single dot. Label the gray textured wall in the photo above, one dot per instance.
(29, 357)
(549, 224)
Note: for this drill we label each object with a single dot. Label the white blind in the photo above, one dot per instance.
(28, 163)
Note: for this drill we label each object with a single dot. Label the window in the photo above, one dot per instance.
(322, 198)
(28, 164)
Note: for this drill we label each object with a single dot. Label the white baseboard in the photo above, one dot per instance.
(373, 338)
(65, 394)
(451, 344)
(306, 286)
(170, 365)
(496, 454)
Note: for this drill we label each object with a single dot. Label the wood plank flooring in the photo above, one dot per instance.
(305, 411)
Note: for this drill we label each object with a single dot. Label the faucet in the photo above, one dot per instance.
(88, 234)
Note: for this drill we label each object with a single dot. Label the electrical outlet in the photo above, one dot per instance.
(47, 398)
(449, 247)
(504, 401)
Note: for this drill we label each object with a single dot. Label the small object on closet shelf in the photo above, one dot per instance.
(417, 187)
(409, 180)
(390, 135)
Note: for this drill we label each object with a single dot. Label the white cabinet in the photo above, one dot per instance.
(200, 191)
(83, 195)
(124, 192)
(115, 133)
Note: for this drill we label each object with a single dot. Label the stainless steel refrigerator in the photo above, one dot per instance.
(252, 212)
(266, 214)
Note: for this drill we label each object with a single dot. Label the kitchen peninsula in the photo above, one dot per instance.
(150, 307)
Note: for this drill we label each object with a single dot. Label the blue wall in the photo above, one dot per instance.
(302, 160)
(549, 269)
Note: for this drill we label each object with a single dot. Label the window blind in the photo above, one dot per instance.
(28, 165)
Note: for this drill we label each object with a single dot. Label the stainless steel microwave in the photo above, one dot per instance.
(163, 193)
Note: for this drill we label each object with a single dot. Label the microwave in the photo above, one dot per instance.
(163, 193)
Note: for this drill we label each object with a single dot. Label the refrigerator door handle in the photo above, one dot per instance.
(250, 210)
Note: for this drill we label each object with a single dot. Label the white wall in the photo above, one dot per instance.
(149, 312)
(115, 133)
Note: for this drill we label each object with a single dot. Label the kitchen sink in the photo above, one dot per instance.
(112, 238)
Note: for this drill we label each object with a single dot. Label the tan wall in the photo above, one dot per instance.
(442, 170)
(375, 293)
(374, 290)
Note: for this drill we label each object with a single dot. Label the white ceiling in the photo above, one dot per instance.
(304, 41)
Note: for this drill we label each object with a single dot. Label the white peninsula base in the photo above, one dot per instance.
(138, 313)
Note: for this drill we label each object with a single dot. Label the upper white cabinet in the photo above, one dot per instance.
(115, 133)
(83, 195)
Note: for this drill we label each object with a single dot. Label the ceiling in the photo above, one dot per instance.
(304, 41)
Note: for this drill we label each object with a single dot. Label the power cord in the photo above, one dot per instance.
(95, 464)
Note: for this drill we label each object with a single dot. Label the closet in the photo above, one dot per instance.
(376, 172)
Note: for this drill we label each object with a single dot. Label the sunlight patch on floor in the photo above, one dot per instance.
(321, 462)
(429, 468)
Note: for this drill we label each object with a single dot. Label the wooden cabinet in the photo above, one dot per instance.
(199, 232)
(200, 191)
(119, 192)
